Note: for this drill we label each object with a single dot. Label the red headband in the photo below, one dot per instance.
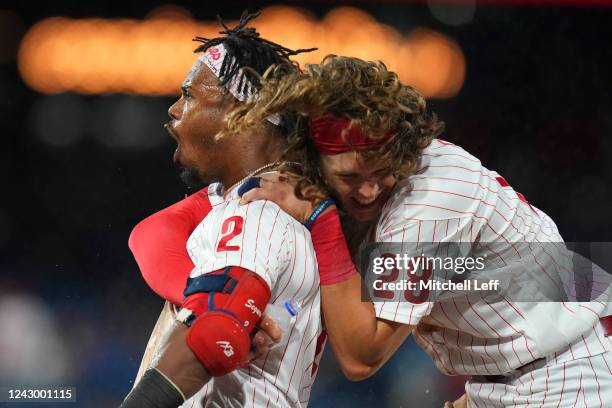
(327, 135)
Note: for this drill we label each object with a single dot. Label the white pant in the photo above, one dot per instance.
(581, 382)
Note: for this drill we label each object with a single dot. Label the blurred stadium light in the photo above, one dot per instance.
(151, 56)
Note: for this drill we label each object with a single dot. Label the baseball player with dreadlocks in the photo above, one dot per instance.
(369, 139)
(239, 259)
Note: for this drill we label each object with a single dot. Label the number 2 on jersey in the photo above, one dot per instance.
(230, 229)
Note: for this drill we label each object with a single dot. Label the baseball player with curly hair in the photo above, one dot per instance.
(370, 140)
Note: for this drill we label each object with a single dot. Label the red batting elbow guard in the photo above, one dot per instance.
(333, 256)
(228, 304)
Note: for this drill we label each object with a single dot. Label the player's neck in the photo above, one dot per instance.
(251, 157)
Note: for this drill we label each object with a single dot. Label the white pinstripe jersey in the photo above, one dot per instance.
(262, 238)
(455, 199)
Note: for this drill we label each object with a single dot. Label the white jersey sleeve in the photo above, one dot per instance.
(416, 238)
(452, 198)
(252, 236)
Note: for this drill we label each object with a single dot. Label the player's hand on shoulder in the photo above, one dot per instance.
(279, 187)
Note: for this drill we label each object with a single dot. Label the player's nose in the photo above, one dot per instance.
(174, 110)
(369, 190)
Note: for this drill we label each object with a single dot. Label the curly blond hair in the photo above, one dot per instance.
(367, 93)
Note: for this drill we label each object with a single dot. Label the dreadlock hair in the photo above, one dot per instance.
(250, 56)
(367, 93)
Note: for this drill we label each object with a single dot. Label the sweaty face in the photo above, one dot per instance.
(195, 120)
(362, 186)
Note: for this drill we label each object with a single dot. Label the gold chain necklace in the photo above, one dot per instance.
(259, 170)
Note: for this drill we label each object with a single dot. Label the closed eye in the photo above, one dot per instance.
(382, 172)
(347, 175)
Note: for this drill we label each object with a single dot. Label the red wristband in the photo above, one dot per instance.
(333, 256)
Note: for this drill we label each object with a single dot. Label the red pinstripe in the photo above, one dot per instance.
(479, 390)
(498, 255)
(272, 233)
(531, 383)
(290, 274)
(598, 339)
(480, 200)
(308, 321)
(257, 233)
(546, 391)
(451, 166)
(443, 345)
(584, 399)
(562, 387)
(454, 154)
(501, 397)
(565, 306)
(488, 224)
(485, 339)
(433, 349)
(246, 215)
(606, 362)
(472, 214)
(512, 327)
(471, 337)
(522, 388)
(492, 390)
(471, 235)
(579, 389)
(398, 303)
(280, 363)
(267, 354)
(571, 352)
(296, 361)
(589, 309)
(433, 237)
(454, 179)
(441, 304)
(544, 270)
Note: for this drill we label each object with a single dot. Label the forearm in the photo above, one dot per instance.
(177, 362)
(176, 375)
(361, 342)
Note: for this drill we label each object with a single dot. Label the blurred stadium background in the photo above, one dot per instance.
(84, 89)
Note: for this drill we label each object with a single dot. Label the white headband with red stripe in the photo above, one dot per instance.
(213, 58)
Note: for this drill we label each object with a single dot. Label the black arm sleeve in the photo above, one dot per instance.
(153, 391)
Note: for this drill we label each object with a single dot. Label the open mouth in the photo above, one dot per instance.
(169, 129)
(176, 157)
(360, 206)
